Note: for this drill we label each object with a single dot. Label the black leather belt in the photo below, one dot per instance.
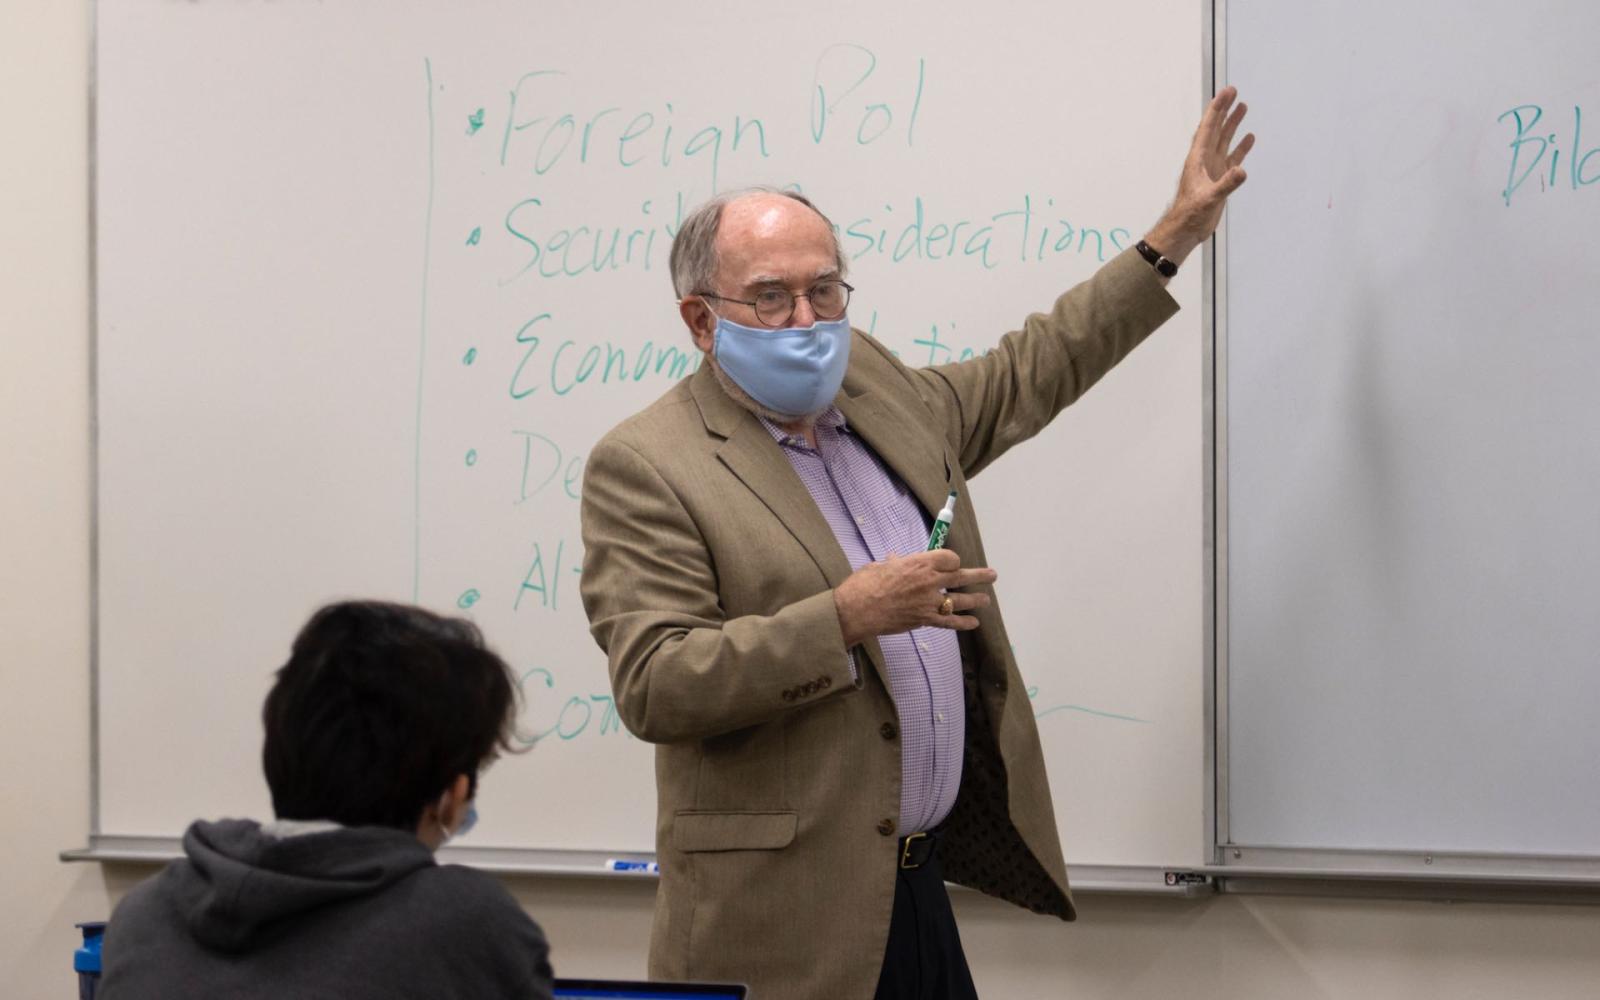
(916, 849)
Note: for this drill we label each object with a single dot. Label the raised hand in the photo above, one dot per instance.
(1213, 170)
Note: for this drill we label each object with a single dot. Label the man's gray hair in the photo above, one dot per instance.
(694, 250)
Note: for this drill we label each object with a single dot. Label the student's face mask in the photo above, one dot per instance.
(467, 823)
(794, 371)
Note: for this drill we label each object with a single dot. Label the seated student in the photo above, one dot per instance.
(375, 732)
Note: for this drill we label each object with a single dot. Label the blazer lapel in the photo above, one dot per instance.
(915, 453)
(755, 458)
(751, 454)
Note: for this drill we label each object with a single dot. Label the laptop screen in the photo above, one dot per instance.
(599, 988)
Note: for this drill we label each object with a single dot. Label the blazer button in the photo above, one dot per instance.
(888, 731)
(886, 827)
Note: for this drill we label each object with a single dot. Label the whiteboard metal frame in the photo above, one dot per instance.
(524, 861)
(1311, 869)
(94, 416)
(1232, 868)
(1178, 882)
(1412, 866)
(1214, 541)
(1261, 871)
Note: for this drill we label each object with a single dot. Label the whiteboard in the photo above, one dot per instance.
(373, 277)
(1411, 477)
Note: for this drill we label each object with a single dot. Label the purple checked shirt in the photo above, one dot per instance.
(873, 514)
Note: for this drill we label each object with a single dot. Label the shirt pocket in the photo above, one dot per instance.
(733, 831)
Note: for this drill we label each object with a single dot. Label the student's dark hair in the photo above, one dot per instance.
(378, 709)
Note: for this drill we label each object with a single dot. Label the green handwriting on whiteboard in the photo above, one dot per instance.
(1537, 153)
(574, 251)
(542, 582)
(852, 102)
(595, 714)
(1039, 713)
(566, 365)
(542, 459)
(844, 69)
(1010, 229)
(559, 135)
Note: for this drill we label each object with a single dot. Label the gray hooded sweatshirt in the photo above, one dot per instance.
(348, 913)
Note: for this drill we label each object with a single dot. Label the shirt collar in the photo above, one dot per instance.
(829, 419)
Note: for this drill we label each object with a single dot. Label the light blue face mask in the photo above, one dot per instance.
(468, 821)
(795, 371)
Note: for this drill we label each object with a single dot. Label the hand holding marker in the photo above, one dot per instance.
(936, 540)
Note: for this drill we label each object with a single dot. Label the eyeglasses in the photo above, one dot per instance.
(775, 306)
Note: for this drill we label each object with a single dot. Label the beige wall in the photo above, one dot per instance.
(1123, 947)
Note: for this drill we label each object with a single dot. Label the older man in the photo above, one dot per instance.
(840, 728)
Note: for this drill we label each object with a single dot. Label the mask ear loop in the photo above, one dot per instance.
(716, 327)
(438, 819)
(716, 323)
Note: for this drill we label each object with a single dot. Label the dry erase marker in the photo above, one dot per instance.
(941, 524)
(642, 867)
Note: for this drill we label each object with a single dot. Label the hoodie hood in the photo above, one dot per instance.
(240, 885)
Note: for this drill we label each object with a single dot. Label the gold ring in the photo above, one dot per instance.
(947, 606)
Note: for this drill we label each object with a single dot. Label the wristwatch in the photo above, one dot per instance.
(1163, 266)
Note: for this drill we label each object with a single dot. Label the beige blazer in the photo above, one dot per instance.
(708, 577)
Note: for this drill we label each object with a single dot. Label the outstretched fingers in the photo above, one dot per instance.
(972, 577)
(1230, 182)
(1216, 114)
(1230, 127)
(1236, 158)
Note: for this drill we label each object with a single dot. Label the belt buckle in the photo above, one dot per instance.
(905, 850)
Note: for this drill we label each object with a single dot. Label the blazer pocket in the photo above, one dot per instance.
(733, 831)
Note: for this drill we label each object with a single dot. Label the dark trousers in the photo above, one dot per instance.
(923, 959)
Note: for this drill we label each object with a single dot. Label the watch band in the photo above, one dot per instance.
(1163, 266)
